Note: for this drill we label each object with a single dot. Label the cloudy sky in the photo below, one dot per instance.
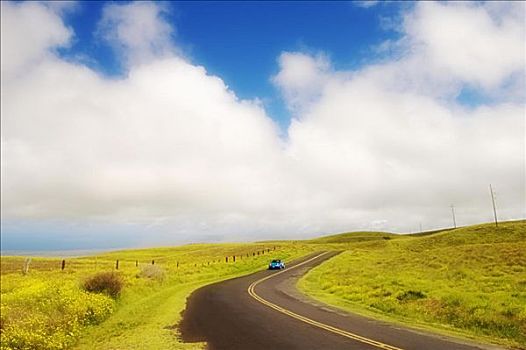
(140, 124)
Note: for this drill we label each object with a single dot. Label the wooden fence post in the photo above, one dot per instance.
(153, 262)
(136, 263)
(117, 265)
(63, 264)
(234, 257)
(226, 258)
(25, 270)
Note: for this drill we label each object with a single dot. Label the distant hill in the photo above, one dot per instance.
(349, 237)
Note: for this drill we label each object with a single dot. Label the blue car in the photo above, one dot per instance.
(276, 265)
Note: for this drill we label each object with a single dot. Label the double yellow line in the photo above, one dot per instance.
(251, 291)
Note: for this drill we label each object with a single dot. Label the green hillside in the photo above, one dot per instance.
(353, 237)
(469, 281)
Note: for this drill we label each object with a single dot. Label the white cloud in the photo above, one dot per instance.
(301, 77)
(390, 140)
(137, 31)
(477, 44)
(29, 31)
(172, 149)
(166, 141)
(366, 3)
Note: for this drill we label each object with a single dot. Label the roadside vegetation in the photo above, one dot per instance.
(469, 281)
(92, 305)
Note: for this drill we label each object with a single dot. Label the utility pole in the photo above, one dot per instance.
(453, 212)
(494, 207)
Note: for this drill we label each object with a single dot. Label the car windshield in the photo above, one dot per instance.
(276, 261)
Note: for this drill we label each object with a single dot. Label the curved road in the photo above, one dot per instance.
(265, 311)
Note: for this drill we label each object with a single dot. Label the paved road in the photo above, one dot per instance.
(265, 311)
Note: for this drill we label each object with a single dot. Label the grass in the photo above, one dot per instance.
(48, 309)
(470, 281)
(353, 237)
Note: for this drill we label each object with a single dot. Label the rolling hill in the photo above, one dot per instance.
(469, 281)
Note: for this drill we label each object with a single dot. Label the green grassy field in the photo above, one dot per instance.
(47, 308)
(469, 281)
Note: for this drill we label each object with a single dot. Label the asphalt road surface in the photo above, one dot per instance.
(264, 311)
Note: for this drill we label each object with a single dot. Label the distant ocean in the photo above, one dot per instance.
(73, 253)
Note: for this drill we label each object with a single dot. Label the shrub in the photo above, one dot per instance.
(49, 315)
(153, 272)
(411, 295)
(108, 283)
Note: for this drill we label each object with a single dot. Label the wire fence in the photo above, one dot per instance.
(24, 265)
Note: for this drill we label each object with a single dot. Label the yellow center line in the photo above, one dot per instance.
(251, 291)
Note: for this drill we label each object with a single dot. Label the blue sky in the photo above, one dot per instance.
(240, 41)
(154, 123)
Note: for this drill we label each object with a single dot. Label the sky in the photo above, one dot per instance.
(128, 124)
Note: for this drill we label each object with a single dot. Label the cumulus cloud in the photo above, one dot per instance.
(137, 31)
(478, 45)
(171, 149)
(167, 143)
(29, 32)
(301, 78)
(390, 138)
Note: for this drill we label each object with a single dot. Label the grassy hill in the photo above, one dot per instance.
(354, 237)
(469, 281)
